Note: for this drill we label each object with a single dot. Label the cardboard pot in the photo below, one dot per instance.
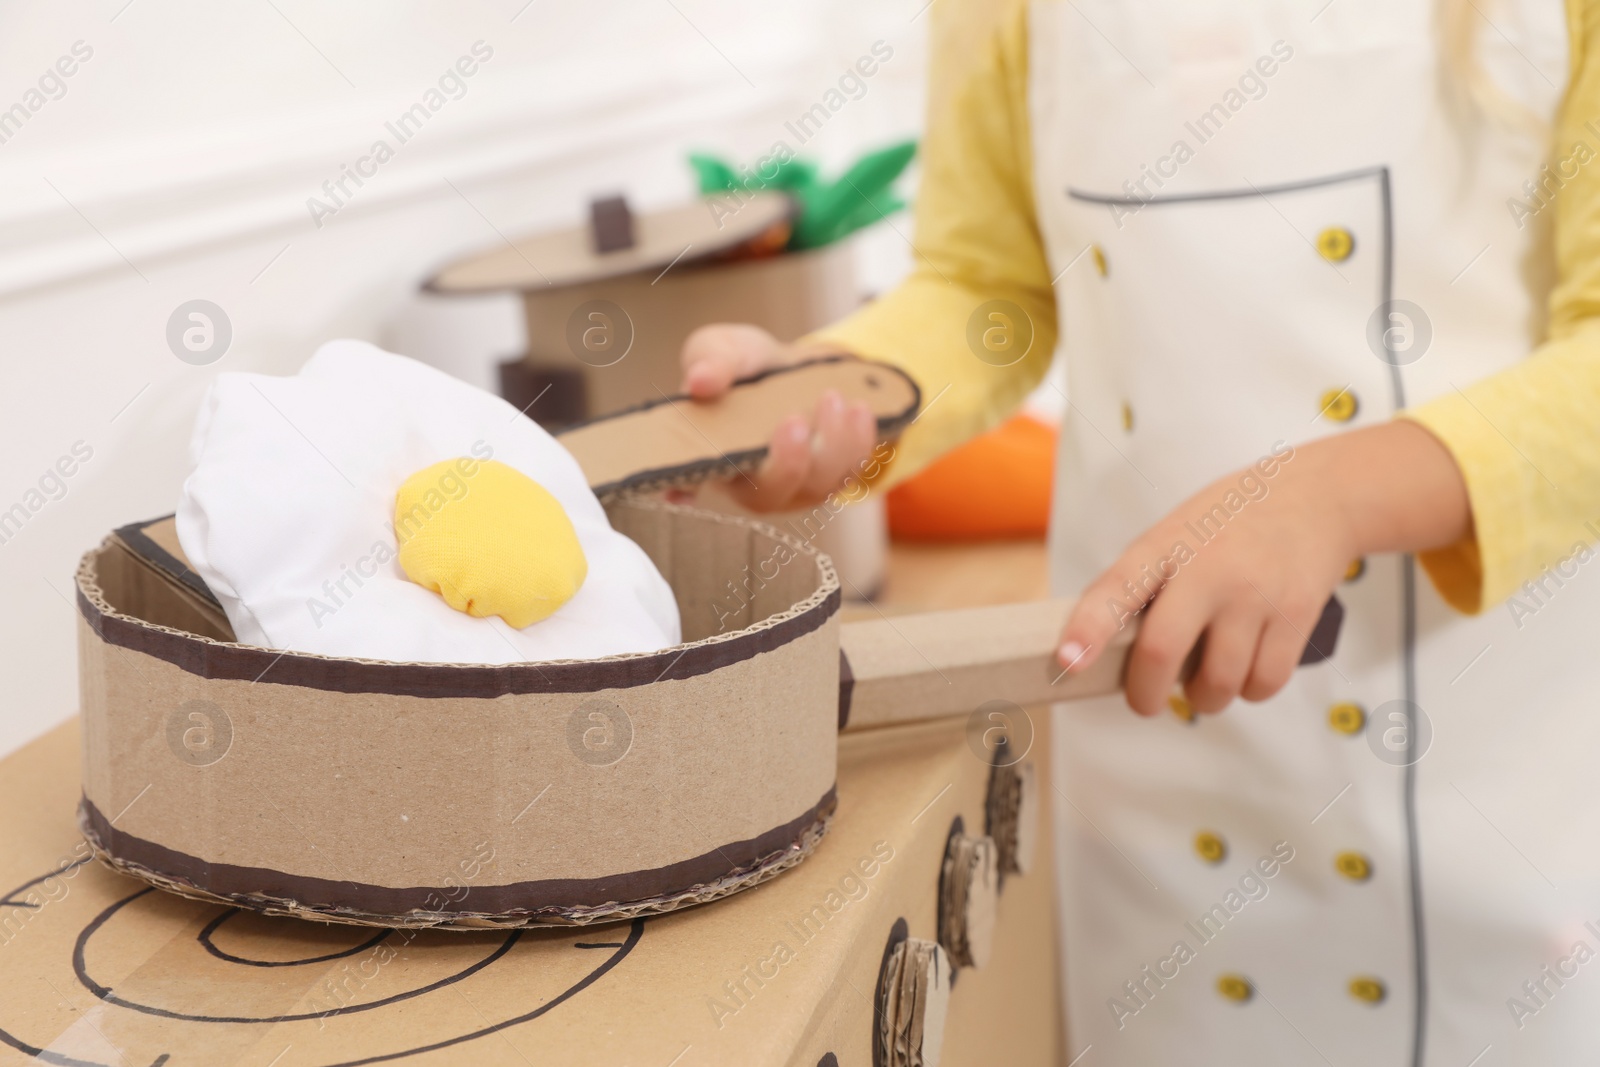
(609, 304)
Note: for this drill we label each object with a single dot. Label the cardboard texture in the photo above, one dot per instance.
(560, 258)
(645, 762)
(100, 970)
(672, 440)
(940, 663)
(155, 570)
(1012, 818)
(610, 325)
(617, 320)
(852, 528)
(970, 891)
(644, 319)
(916, 998)
(951, 662)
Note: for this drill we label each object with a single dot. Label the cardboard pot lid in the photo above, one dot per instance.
(569, 256)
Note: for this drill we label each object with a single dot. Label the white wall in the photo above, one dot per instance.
(177, 160)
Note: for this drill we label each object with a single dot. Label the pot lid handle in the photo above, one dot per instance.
(610, 224)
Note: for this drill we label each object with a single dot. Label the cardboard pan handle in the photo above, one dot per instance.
(942, 663)
(677, 440)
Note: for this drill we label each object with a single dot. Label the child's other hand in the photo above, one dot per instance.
(1250, 560)
(811, 452)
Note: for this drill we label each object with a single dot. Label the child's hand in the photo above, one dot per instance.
(811, 452)
(1256, 588)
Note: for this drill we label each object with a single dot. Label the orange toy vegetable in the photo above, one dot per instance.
(995, 486)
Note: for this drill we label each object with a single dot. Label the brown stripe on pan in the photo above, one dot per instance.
(726, 869)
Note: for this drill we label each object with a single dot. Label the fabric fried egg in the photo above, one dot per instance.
(374, 507)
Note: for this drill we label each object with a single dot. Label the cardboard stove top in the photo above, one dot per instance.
(97, 969)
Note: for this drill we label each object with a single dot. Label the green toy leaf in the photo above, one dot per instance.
(829, 211)
(714, 175)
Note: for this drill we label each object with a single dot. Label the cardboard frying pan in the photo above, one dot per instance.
(469, 796)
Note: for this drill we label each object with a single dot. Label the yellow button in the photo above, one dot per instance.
(1369, 990)
(1357, 568)
(1353, 865)
(1339, 405)
(1099, 259)
(1127, 417)
(1235, 987)
(1335, 244)
(1347, 718)
(1209, 847)
(1181, 707)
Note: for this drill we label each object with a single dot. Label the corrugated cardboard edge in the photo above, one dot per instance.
(768, 866)
(135, 537)
(210, 658)
(747, 459)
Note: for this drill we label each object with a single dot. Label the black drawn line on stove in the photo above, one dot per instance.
(204, 937)
(46, 1056)
(635, 933)
(105, 993)
(7, 901)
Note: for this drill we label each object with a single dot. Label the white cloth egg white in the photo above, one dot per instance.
(288, 517)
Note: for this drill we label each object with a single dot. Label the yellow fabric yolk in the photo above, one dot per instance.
(489, 540)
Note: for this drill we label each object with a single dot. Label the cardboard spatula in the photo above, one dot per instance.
(677, 440)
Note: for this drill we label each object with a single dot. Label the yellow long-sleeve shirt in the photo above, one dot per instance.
(1527, 440)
